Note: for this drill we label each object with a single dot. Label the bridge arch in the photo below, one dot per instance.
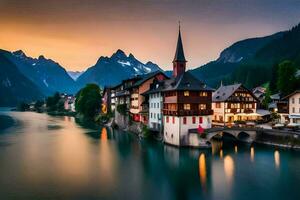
(244, 136)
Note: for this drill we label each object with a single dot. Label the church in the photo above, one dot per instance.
(187, 102)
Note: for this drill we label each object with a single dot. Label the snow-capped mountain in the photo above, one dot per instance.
(112, 70)
(74, 74)
(47, 74)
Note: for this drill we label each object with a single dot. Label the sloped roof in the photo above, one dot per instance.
(288, 96)
(186, 81)
(146, 77)
(179, 54)
(224, 92)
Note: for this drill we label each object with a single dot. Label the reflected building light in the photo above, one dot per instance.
(252, 154)
(103, 134)
(202, 170)
(277, 159)
(221, 153)
(235, 149)
(229, 168)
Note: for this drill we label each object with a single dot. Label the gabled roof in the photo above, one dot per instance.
(186, 81)
(146, 77)
(224, 92)
(156, 86)
(179, 54)
(288, 96)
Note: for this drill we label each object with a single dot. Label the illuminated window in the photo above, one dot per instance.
(194, 120)
(184, 120)
(186, 93)
(202, 106)
(173, 120)
(203, 94)
(218, 105)
(167, 119)
(187, 106)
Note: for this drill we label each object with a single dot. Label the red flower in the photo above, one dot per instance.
(200, 129)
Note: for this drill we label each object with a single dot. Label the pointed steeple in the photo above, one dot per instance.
(179, 54)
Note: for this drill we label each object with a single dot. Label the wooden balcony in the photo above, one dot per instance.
(188, 112)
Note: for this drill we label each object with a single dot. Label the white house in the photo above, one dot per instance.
(294, 107)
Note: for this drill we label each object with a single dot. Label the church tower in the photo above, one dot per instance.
(179, 62)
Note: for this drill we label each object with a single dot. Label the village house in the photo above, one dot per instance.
(186, 102)
(155, 104)
(294, 108)
(69, 102)
(280, 106)
(138, 104)
(234, 103)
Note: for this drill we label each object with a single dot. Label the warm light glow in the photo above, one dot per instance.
(277, 158)
(229, 168)
(221, 153)
(252, 154)
(235, 149)
(104, 134)
(202, 170)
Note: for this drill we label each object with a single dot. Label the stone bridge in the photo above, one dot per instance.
(242, 134)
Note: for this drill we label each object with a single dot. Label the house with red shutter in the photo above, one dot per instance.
(187, 102)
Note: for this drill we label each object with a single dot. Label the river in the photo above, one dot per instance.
(45, 157)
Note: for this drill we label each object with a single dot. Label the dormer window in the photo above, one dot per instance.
(186, 93)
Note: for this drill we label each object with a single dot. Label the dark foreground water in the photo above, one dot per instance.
(44, 157)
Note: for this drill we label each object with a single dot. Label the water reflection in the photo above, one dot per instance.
(229, 168)
(221, 153)
(235, 149)
(277, 159)
(252, 154)
(216, 146)
(202, 170)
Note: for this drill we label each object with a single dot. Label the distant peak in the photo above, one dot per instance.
(41, 57)
(131, 55)
(119, 54)
(19, 53)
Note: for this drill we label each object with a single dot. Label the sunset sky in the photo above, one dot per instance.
(76, 33)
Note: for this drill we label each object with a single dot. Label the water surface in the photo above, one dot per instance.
(45, 157)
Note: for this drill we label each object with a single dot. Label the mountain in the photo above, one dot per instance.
(112, 70)
(231, 58)
(47, 74)
(14, 86)
(74, 74)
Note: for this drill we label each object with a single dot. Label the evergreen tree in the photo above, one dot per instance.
(287, 81)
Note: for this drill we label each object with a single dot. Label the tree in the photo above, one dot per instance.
(52, 102)
(274, 77)
(287, 81)
(88, 101)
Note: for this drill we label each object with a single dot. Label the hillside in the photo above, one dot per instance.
(14, 86)
(232, 58)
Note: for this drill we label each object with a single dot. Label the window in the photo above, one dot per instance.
(194, 120)
(293, 110)
(157, 105)
(154, 104)
(167, 119)
(293, 100)
(218, 105)
(186, 93)
(200, 120)
(173, 120)
(184, 120)
(150, 115)
(203, 94)
(154, 115)
(202, 106)
(186, 106)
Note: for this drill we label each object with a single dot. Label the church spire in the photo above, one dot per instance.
(179, 62)
(179, 54)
